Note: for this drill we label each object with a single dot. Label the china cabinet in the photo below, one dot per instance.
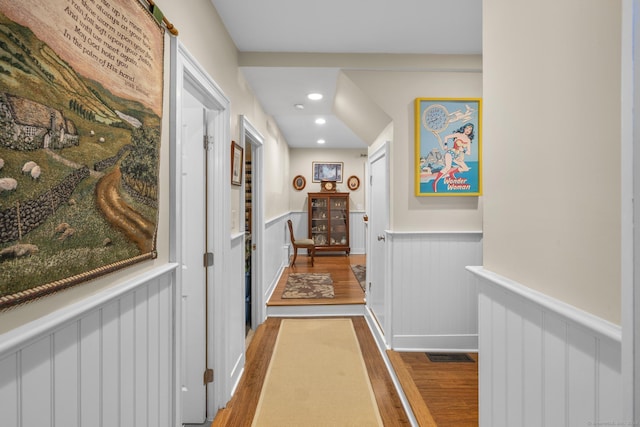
(329, 221)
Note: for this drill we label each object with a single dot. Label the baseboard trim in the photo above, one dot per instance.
(382, 348)
(315, 310)
(446, 343)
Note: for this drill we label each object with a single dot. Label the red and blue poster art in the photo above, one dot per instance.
(448, 149)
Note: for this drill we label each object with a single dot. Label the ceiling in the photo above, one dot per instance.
(337, 27)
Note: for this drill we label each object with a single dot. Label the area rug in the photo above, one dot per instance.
(360, 271)
(308, 285)
(317, 377)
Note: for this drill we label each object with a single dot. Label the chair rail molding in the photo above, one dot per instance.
(542, 361)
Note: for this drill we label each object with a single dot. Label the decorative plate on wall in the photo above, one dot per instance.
(299, 182)
(353, 183)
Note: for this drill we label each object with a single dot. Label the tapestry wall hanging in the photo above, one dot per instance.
(448, 149)
(80, 117)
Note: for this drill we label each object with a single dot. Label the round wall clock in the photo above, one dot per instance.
(353, 183)
(299, 182)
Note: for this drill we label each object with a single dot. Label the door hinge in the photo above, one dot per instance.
(208, 259)
(207, 141)
(208, 376)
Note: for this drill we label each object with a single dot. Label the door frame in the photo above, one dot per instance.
(184, 66)
(630, 191)
(382, 154)
(251, 138)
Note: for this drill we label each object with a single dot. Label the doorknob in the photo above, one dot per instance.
(381, 237)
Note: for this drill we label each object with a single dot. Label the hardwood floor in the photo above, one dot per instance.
(346, 288)
(241, 409)
(440, 394)
(449, 390)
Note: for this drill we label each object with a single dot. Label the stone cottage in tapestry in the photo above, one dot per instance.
(29, 125)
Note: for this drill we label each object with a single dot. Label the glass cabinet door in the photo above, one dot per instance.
(320, 220)
(339, 214)
(328, 216)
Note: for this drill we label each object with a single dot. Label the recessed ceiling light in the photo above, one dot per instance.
(315, 96)
(320, 121)
(321, 141)
(299, 106)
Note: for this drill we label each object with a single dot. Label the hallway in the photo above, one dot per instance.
(439, 394)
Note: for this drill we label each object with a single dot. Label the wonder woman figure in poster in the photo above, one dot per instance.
(446, 164)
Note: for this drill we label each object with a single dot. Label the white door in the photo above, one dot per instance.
(194, 246)
(378, 223)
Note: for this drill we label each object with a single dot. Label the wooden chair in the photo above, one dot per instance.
(307, 244)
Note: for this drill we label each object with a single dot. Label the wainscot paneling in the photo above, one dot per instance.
(235, 314)
(543, 362)
(276, 257)
(433, 299)
(105, 361)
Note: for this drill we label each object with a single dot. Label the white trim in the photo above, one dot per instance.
(276, 219)
(463, 343)
(382, 348)
(237, 236)
(26, 334)
(543, 362)
(630, 191)
(435, 232)
(315, 310)
(561, 308)
(186, 68)
(251, 138)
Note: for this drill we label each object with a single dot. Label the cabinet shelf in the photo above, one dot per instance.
(329, 221)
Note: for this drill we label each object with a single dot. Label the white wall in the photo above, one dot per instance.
(552, 155)
(301, 164)
(395, 93)
(205, 37)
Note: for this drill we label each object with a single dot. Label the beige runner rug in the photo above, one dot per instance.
(317, 377)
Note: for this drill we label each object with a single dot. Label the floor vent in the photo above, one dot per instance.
(449, 357)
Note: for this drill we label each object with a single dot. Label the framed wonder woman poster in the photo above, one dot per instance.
(448, 148)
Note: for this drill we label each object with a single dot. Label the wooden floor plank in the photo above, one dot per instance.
(242, 407)
(418, 405)
(448, 391)
(347, 290)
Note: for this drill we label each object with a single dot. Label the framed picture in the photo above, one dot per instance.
(236, 163)
(327, 171)
(65, 99)
(299, 182)
(448, 147)
(353, 183)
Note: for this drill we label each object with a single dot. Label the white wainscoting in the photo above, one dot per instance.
(235, 314)
(543, 362)
(105, 361)
(433, 299)
(276, 257)
(357, 232)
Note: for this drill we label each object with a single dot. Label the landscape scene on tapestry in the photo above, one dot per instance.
(78, 169)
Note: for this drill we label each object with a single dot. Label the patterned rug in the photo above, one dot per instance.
(360, 272)
(308, 285)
